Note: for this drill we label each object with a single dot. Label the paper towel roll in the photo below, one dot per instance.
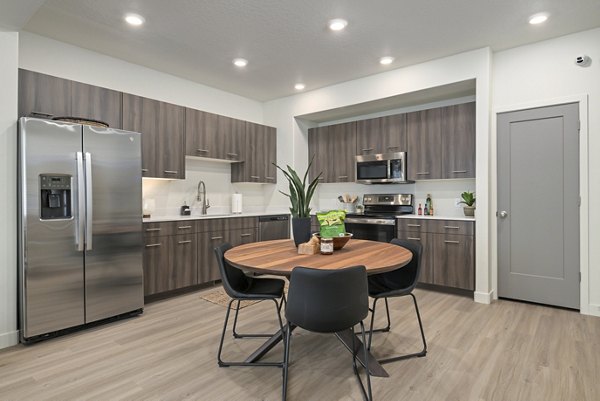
(236, 203)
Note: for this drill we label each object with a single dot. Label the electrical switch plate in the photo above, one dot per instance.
(457, 203)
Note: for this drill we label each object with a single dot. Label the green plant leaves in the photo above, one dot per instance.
(300, 196)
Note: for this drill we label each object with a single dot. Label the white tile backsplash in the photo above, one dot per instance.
(443, 193)
(169, 195)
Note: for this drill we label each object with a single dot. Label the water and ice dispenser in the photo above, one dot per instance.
(55, 196)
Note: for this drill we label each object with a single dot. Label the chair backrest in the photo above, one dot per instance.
(407, 276)
(327, 301)
(234, 280)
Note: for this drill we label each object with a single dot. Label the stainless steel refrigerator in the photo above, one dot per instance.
(80, 225)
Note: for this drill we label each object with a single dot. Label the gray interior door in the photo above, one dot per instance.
(538, 205)
(113, 255)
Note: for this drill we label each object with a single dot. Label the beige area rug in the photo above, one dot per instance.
(218, 296)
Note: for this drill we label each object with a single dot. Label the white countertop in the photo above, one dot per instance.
(436, 217)
(157, 219)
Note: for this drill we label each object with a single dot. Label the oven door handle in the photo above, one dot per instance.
(379, 222)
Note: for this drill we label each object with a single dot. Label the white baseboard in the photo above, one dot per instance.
(592, 310)
(483, 297)
(9, 339)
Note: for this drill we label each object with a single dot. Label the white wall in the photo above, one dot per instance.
(545, 72)
(48, 56)
(292, 134)
(9, 50)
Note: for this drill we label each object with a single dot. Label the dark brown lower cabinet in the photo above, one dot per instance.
(156, 263)
(426, 275)
(448, 250)
(183, 261)
(208, 269)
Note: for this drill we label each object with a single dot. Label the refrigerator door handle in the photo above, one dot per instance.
(79, 238)
(88, 201)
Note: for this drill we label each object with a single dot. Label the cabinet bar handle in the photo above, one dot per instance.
(152, 229)
(202, 150)
(255, 177)
(185, 242)
(321, 178)
(184, 227)
(367, 150)
(214, 238)
(452, 227)
(414, 225)
(144, 170)
(342, 176)
(171, 172)
(451, 242)
(423, 173)
(413, 238)
(41, 114)
(459, 171)
(270, 178)
(393, 147)
(245, 235)
(152, 245)
(232, 154)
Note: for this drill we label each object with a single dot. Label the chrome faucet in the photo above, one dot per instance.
(202, 197)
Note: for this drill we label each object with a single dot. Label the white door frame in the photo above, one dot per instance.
(584, 266)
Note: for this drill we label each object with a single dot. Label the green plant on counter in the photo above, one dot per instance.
(468, 198)
(300, 194)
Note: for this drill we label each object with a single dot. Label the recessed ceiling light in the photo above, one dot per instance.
(538, 18)
(134, 19)
(240, 62)
(386, 60)
(337, 24)
(299, 86)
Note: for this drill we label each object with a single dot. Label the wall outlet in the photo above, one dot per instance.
(457, 203)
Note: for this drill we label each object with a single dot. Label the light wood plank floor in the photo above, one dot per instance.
(506, 351)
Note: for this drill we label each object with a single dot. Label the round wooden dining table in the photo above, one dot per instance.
(279, 257)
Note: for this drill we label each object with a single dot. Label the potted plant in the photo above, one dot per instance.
(469, 202)
(300, 196)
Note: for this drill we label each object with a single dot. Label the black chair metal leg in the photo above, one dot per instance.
(227, 363)
(246, 335)
(286, 359)
(366, 392)
(419, 354)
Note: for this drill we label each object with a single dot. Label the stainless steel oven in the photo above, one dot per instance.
(378, 222)
(374, 229)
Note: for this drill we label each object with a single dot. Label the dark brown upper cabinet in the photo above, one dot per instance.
(162, 126)
(141, 115)
(43, 96)
(424, 130)
(231, 134)
(458, 141)
(334, 149)
(381, 135)
(170, 145)
(202, 135)
(260, 153)
(96, 103)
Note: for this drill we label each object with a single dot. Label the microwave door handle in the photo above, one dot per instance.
(88, 201)
(79, 232)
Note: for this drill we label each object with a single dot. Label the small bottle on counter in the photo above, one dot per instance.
(431, 211)
(428, 205)
(420, 210)
(326, 246)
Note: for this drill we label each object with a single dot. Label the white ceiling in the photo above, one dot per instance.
(287, 41)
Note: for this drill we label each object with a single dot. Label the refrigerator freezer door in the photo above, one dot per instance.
(113, 256)
(51, 274)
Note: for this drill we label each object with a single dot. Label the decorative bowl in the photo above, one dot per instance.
(338, 242)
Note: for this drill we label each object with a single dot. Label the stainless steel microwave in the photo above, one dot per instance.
(384, 168)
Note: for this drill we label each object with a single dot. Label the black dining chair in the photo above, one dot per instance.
(241, 287)
(398, 283)
(328, 301)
